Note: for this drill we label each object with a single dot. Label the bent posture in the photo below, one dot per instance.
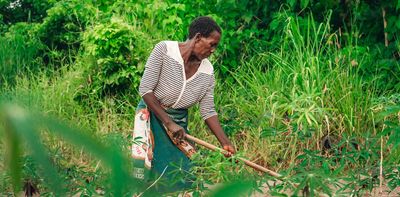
(176, 77)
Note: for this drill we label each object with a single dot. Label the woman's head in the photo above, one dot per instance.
(203, 25)
(206, 34)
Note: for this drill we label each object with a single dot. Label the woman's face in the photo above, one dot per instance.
(205, 46)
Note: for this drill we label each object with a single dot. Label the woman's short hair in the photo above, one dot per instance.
(204, 25)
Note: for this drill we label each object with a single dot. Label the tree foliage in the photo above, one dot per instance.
(14, 11)
(119, 52)
(248, 26)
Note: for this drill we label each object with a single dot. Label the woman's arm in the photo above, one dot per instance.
(214, 125)
(154, 105)
(209, 115)
(147, 85)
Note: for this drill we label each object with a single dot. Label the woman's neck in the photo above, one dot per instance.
(186, 49)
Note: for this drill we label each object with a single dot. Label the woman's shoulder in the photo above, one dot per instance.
(171, 49)
(206, 67)
(167, 43)
(164, 46)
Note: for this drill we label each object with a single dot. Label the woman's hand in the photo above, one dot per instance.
(230, 149)
(177, 131)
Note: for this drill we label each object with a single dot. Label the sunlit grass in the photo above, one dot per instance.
(285, 102)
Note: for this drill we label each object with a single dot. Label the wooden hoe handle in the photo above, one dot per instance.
(247, 162)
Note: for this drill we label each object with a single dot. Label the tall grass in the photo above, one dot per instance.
(292, 101)
(287, 100)
(17, 55)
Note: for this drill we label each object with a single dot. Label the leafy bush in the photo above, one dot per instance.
(61, 30)
(165, 18)
(119, 51)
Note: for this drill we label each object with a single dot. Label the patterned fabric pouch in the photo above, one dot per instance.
(143, 145)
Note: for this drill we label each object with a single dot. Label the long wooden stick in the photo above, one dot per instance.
(247, 162)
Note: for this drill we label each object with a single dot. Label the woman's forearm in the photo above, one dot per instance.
(154, 105)
(215, 127)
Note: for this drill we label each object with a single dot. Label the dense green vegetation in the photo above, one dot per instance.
(310, 89)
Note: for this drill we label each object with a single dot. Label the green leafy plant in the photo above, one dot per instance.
(119, 51)
(61, 31)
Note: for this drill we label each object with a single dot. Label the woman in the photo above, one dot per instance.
(176, 77)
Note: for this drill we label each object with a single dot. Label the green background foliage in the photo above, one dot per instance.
(118, 50)
(307, 88)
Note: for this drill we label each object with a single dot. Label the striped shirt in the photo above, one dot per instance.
(164, 75)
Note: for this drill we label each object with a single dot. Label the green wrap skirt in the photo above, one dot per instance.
(157, 155)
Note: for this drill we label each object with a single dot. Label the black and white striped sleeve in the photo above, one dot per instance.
(152, 69)
(207, 108)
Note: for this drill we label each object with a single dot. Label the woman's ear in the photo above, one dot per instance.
(197, 37)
